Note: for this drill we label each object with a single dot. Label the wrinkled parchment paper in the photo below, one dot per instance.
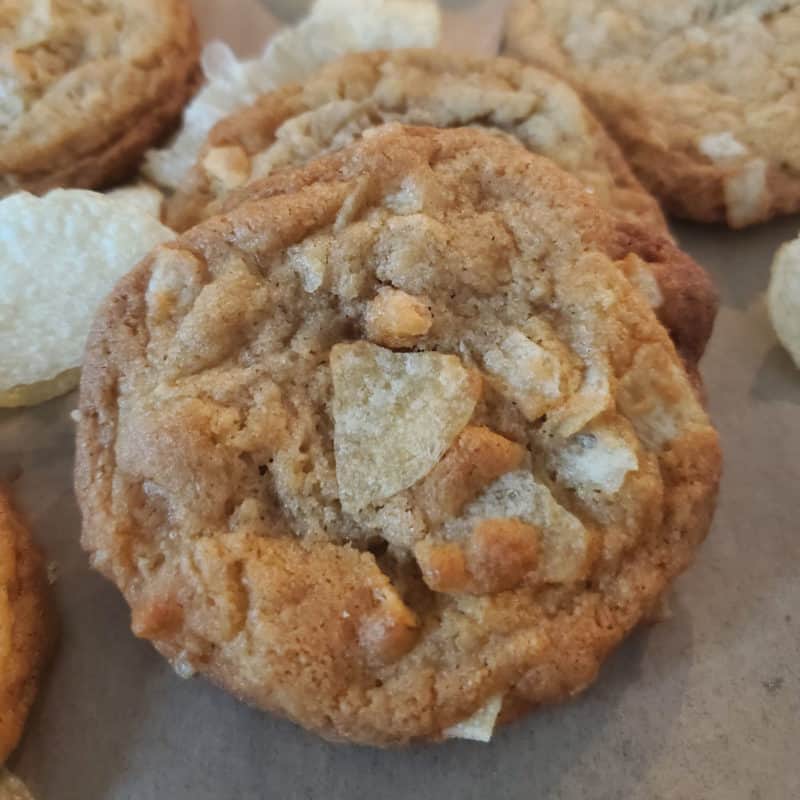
(703, 707)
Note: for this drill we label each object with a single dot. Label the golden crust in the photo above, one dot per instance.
(92, 88)
(26, 625)
(206, 471)
(714, 142)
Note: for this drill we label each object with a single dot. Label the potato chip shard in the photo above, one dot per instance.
(567, 546)
(525, 372)
(480, 726)
(61, 255)
(783, 298)
(395, 415)
(596, 458)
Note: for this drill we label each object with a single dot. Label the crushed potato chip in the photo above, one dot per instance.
(142, 195)
(783, 298)
(480, 726)
(332, 29)
(59, 256)
(395, 415)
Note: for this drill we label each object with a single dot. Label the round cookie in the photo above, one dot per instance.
(423, 87)
(26, 628)
(701, 96)
(394, 446)
(87, 87)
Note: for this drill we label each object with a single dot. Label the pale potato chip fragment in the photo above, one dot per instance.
(59, 257)
(395, 415)
(526, 372)
(12, 788)
(783, 298)
(596, 458)
(332, 29)
(142, 195)
(480, 726)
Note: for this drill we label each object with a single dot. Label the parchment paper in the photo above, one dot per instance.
(703, 707)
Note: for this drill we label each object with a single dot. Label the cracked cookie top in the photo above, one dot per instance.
(701, 94)
(392, 442)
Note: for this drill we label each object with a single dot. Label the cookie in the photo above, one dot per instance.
(393, 444)
(701, 96)
(62, 253)
(26, 625)
(424, 87)
(87, 87)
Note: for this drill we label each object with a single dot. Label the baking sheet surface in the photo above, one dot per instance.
(703, 707)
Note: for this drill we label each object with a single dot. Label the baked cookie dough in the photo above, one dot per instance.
(423, 87)
(86, 86)
(394, 445)
(702, 96)
(26, 626)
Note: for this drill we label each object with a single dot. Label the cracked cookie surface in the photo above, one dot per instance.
(701, 95)
(26, 627)
(86, 86)
(392, 442)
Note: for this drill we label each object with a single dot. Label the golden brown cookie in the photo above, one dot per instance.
(702, 96)
(358, 92)
(87, 86)
(394, 444)
(26, 626)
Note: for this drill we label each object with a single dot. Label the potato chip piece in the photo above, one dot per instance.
(395, 416)
(783, 298)
(480, 726)
(35, 393)
(332, 29)
(142, 196)
(597, 458)
(566, 545)
(12, 788)
(59, 256)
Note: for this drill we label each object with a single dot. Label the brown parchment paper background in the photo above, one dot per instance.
(703, 707)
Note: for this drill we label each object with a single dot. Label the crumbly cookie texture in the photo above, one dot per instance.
(62, 253)
(702, 96)
(783, 298)
(376, 540)
(423, 87)
(26, 625)
(86, 86)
